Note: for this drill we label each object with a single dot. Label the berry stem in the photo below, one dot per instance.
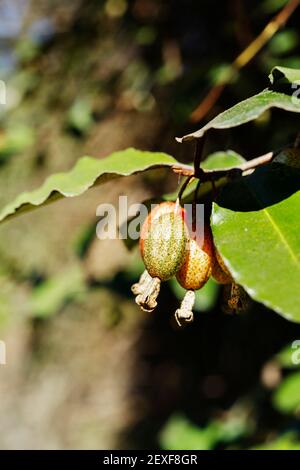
(214, 175)
(183, 187)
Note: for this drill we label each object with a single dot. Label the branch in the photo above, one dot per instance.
(213, 175)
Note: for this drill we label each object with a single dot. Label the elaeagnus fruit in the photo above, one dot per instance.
(234, 298)
(160, 209)
(219, 271)
(164, 246)
(163, 240)
(195, 271)
(196, 268)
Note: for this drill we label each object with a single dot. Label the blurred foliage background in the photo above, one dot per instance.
(85, 368)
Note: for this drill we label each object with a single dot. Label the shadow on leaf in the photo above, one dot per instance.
(265, 187)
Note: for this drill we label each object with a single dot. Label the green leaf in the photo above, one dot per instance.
(83, 239)
(181, 434)
(247, 111)
(80, 115)
(15, 140)
(256, 229)
(48, 297)
(270, 6)
(289, 357)
(288, 441)
(284, 75)
(222, 160)
(284, 42)
(287, 397)
(217, 161)
(253, 107)
(86, 173)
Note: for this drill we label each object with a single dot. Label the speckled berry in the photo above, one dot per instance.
(219, 270)
(161, 257)
(166, 207)
(163, 245)
(197, 265)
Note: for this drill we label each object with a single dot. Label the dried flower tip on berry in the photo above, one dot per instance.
(138, 288)
(147, 299)
(185, 313)
(235, 299)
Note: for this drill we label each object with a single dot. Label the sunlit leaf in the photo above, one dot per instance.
(86, 173)
(287, 397)
(284, 42)
(181, 434)
(256, 230)
(289, 441)
(289, 357)
(253, 107)
(280, 75)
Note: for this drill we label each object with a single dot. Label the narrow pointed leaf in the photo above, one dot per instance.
(282, 94)
(87, 173)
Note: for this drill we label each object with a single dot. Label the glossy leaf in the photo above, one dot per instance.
(253, 107)
(221, 160)
(281, 75)
(256, 230)
(248, 110)
(86, 173)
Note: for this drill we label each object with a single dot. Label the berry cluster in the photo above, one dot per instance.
(170, 246)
